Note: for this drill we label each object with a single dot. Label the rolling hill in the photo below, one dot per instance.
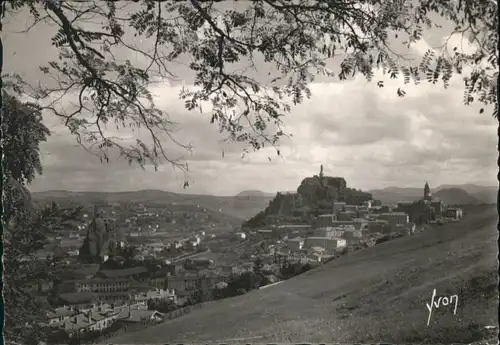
(448, 193)
(456, 196)
(486, 194)
(378, 294)
(234, 206)
(254, 193)
(392, 195)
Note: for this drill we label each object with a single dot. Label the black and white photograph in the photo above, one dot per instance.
(250, 172)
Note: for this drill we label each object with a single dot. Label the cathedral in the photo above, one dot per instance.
(428, 208)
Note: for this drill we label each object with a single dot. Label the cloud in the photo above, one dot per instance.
(357, 130)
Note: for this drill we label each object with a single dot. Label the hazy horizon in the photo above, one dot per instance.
(186, 192)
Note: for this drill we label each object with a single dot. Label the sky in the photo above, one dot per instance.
(355, 129)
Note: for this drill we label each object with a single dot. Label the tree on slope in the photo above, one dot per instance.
(24, 226)
(221, 42)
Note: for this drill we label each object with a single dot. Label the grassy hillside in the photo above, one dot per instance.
(241, 207)
(377, 294)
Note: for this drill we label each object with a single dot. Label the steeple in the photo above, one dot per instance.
(427, 192)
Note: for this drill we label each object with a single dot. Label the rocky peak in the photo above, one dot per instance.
(321, 191)
(315, 195)
(101, 239)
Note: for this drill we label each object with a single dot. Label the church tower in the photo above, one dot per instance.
(427, 192)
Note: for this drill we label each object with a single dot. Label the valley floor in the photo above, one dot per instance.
(373, 295)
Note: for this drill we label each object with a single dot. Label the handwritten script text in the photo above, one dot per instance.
(445, 301)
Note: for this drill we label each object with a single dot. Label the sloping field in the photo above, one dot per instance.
(377, 294)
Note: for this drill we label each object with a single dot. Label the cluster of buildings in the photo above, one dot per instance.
(122, 295)
(145, 220)
(173, 282)
(148, 226)
(111, 286)
(349, 226)
(101, 299)
(99, 317)
(66, 248)
(429, 209)
(158, 247)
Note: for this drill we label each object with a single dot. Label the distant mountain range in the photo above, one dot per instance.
(450, 194)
